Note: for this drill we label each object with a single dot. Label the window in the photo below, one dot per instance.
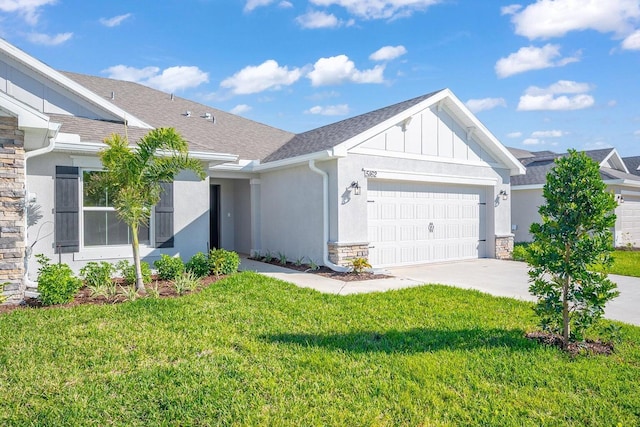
(101, 225)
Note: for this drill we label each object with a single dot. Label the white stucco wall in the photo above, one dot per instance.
(291, 213)
(525, 204)
(191, 217)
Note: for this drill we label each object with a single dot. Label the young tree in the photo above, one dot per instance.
(573, 238)
(133, 175)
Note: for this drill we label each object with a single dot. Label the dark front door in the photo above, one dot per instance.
(214, 217)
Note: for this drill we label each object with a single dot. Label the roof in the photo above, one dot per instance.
(633, 163)
(222, 133)
(329, 136)
(539, 164)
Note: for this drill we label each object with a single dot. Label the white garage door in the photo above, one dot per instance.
(411, 223)
(629, 220)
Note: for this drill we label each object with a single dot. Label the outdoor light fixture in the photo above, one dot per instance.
(504, 194)
(356, 188)
(619, 198)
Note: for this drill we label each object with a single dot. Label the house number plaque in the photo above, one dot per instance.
(369, 173)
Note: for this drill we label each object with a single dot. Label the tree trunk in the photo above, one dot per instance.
(136, 258)
(565, 302)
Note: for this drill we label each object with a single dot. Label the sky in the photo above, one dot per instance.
(539, 74)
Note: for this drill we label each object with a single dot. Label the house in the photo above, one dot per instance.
(615, 172)
(419, 181)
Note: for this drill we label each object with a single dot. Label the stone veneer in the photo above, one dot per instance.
(344, 253)
(12, 192)
(504, 247)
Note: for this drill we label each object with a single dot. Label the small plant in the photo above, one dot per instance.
(198, 265)
(106, 290)
(282, 258)
(359, 265)
(313, 266)
(129, 293)
(3, 298)
(169, 267)
(56, 282)
(222, 261)
(299, 261)
(128, 272)
(97, 274)
(186, 282)
(268, 257)
(153, 291)
(520, 251)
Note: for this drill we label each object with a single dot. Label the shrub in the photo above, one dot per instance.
(97, 274)
(186, 282)
(359, 265)
(198, 265)
(169, 267)
(3, 298)
(520, 251)
(222, 261)
(56, 282)
(128, 272)
(130, 293)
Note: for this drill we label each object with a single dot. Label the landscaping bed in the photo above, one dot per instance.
(323, 271)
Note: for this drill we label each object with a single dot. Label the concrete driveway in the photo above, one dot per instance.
(510, 279)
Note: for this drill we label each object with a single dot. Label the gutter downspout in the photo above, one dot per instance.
(29, 155)
(325, 218)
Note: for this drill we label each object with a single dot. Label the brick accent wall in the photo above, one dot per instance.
(504, 247)
(343, 253)
(12, 226)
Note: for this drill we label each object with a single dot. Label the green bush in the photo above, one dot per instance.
(128, 272)
(520, 251)
(56, 282)
(169, 267)
(186, 282)
(222, 261)
(97, 274)
(198, 265)
(359, 265)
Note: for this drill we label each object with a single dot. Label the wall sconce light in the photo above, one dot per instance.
(503, 194)
(619, 198)
(355, 187)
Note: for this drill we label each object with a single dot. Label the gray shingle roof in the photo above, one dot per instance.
(541, 163)
(632, 164)
(229, 134)
(327, 137)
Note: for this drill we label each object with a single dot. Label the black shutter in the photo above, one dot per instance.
(164, 217)
(67, 209)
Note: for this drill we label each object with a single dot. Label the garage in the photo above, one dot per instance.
(628, 227)
(411, 222)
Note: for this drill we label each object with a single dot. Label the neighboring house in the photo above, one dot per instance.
(615, 172)
(419, 181)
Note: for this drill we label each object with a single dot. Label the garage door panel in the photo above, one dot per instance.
(415, 222)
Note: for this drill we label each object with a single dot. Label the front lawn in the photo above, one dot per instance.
(626, 263)
(250, 350)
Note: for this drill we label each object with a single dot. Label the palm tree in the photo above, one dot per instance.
(133, 175)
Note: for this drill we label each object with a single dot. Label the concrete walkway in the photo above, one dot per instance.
(495, 277)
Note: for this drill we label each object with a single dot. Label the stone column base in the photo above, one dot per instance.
(343, 253)
(504, 246)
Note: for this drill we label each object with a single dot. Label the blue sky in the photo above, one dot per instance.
(540, 74)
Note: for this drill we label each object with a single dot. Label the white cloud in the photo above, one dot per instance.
(555, 18)
(329, 110)
(285, 5)
(339, 69)
(29, 10)
(115, 21)
(510, 10)
(172, 79)
(632, 42)
(636, 133)
(379, 9)
(547, 134)
(315, 19)
(387, 53)
(514, 135)
(532, 58)
(537, 98)
(240, 109)
(531, 141)
(253, 4)
(48, 40)
(477, 105)
(254, 79)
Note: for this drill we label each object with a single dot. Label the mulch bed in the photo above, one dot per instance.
(574, 348)
(326, 271)
(165, 290)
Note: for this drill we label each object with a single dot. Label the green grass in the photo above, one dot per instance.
(626, 263)
(253, 351)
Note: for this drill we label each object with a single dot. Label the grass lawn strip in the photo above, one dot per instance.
(250, 350)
